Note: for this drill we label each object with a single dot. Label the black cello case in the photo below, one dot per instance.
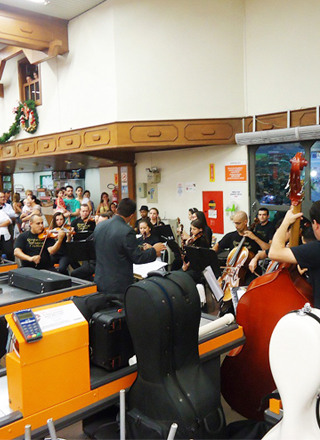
(163, 316)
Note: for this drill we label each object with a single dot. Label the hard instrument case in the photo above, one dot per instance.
(38, 281)
(163, 315)
(109, 338)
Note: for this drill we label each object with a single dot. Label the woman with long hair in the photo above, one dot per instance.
(61, 257)
(155, 218)
(104, 204)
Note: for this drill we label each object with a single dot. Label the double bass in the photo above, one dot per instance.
(246, 377)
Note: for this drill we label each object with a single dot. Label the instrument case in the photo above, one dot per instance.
(109, 338)
(163, 314)
(38, 281)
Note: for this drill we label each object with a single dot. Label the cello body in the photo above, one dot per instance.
(236, 269)
(246, 378)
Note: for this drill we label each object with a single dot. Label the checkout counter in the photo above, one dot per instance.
(53, 378)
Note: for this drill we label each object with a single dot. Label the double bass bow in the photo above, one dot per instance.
(246, 377)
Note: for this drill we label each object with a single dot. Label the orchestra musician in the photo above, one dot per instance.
(197, 239)
(87, 268)
(307, 255)
(264, 254)
(61, 257)
(34, 251)
(144, 211)
(199, 215)
(155, 218)
(84, 225)
(232, 239)
(264, 228)
(147, 239)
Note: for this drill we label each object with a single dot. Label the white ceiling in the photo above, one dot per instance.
(65, 9)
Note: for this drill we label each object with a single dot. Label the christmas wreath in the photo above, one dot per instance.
(26, 117)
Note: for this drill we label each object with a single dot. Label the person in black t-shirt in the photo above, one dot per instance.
(232, 239)
(264, 229)
(83, 226)
(147, 239)
(307, 255)
(34, 252)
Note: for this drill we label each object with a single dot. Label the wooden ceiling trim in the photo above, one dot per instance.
(110, 144)
(32, 31)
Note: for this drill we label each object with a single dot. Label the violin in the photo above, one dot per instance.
(193, 238)
(53, 233)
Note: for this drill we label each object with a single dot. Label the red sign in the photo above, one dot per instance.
(212, 202)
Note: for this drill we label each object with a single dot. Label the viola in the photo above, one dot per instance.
(246, 376)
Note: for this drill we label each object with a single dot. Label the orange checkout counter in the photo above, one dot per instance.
(53, 378)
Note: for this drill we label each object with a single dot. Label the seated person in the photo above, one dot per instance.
(147, 239)
(144, 210)
(87, 269)
(34, 251)
(61, 257)
(83, 226)
(155, 218)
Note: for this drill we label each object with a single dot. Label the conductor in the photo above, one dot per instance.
(117, 250)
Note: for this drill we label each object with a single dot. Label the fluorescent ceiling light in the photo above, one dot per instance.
(42, 2)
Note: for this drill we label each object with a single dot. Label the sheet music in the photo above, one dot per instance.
(143, 269)
(213, 283)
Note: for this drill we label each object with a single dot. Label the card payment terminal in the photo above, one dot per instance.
(28, 325)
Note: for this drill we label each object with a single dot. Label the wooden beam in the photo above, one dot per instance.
(32, 31)
(37, 56)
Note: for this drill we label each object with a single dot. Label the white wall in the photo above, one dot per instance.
(178, 59)
(141, 60)
(24, 179)
(192, 165)
(282, 62)
(107, 177)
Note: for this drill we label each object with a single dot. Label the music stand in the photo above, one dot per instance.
(200, 258)
(164, 232)
(81, 250)
(173, 245)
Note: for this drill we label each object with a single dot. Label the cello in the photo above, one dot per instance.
(235, 271)
(246, 377)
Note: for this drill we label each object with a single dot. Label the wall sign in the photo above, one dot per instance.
(212, 175)
(236, 171)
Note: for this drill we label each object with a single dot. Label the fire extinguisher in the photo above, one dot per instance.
(114, 189)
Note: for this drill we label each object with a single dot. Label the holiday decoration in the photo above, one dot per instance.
(26, 118)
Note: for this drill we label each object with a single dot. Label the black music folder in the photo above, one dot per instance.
(176, 249)
(200, 258)
(164, 232)
(81, 250)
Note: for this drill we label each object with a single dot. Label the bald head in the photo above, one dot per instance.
(240, 221)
